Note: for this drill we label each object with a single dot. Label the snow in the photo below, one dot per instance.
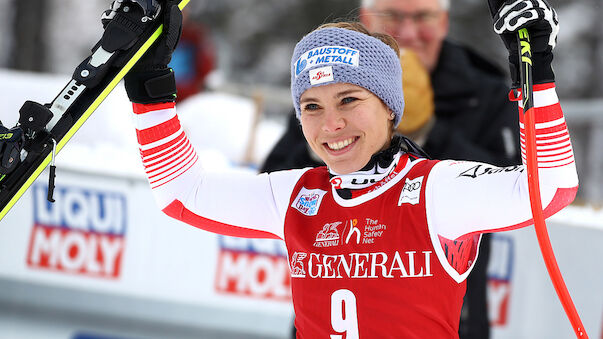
(580, 216)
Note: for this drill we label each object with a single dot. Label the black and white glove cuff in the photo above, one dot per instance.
(151, 86)
(523, 13)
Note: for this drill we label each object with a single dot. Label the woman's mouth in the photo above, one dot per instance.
(340, 145)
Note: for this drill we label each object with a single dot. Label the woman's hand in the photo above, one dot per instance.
(541, 21)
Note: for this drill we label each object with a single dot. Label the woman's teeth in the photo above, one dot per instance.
(336, 146)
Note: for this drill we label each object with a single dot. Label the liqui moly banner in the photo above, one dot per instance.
(253, 268)
(82, 233)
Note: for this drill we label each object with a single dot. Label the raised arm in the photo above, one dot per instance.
(227, 203)
(473, 197)
(237, 204)
(470, 197)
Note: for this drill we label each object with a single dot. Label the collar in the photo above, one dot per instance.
(367, 176)
(381, 168)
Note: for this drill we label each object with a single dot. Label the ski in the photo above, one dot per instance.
(43, 130)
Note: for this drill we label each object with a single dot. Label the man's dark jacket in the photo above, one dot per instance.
(474, 121)
(474, 118)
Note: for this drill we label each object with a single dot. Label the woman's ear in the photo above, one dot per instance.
(392, 115)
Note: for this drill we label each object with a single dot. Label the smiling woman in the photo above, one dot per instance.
(381, 240)
(346, 120)
(345, 125)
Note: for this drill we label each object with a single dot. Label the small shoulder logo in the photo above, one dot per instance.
(297, 265)
(411, 192)
(308, 201)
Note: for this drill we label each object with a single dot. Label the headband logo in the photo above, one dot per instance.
(300, 65)
(327, 55)
(321, 75)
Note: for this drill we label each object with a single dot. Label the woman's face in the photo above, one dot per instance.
(345, 125)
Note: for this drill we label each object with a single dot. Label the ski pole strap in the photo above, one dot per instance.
(52, 174)
(151, 86)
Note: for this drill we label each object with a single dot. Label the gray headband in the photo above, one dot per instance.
(338, 55)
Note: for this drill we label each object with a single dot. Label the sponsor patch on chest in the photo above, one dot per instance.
(411, 192)
(328, 235)
(362, 265)
(308, 201)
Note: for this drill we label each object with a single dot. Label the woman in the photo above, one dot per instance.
(380, 240)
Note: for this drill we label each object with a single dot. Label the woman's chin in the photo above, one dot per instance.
(345, 167)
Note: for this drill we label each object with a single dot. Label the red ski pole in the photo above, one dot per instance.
(534, 186)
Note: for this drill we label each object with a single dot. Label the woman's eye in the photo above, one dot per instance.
(348, 100)
(310, 107)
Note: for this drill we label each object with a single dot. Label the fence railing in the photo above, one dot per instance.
(585, 121)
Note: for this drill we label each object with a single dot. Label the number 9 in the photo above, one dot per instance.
(344, 318)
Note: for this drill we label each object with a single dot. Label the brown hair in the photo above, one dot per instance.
(359, 27)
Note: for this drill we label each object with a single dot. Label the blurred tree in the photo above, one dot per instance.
(28, 27)
(257, 37)
(597, 50)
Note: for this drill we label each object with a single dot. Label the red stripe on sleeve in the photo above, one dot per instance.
(163, 130)
(561, 139)
(179, 166)
(186, 167)
(542, 87)
(163, 147)
(543, 161)
(171, 164)
(177, 210)
(552, 132)
(515, 94)
(145, 108)
(562, 198)
(544, 114)
(150, 160)
(548, 113)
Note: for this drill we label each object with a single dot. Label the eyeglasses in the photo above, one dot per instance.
(421, 18)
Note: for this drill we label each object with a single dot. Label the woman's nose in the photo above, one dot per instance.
(333, 120)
